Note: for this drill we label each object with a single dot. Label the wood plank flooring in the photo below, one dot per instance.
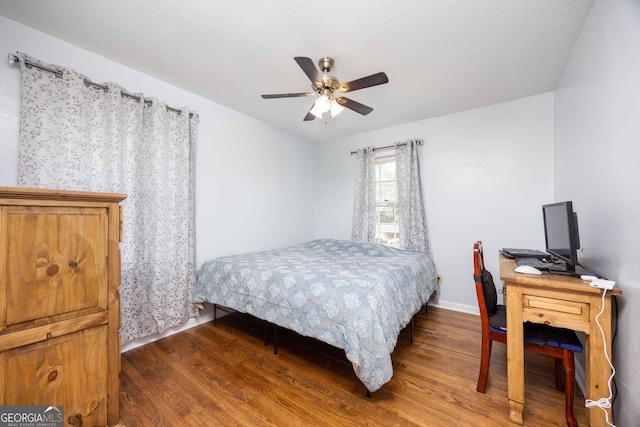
(222, 375)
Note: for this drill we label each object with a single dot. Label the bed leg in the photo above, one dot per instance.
(411, 330)
(266, 333)
(275, 339)
(215, 310)
(426, 309)
(368, 394)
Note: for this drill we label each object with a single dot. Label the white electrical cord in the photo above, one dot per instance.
(605, 402)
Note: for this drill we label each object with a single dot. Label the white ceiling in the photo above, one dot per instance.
(441, 56)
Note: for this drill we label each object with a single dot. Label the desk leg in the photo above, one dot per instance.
(598, 369)
(515, 412)
(515, 353)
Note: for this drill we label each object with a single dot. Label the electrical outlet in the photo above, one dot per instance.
(439, 280)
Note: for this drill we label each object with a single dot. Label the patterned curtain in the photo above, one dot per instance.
(78, 136)
(414, 234)
(364, 205)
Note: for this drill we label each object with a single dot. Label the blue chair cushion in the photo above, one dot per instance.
(538, 333)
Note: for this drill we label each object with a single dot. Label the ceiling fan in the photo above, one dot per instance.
(327, 86)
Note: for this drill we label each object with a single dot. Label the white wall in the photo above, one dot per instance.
(254, 183)
(597, 149)
(486, 172)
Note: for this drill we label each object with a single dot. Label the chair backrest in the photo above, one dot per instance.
(485, 288)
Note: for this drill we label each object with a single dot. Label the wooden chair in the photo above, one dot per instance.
(559, 343)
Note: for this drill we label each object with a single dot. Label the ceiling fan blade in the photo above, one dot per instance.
(355, 106)
(309, 68)
(372, 80)
(309, 117)
(287, 95)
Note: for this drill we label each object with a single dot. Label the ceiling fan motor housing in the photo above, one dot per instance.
(328, 82)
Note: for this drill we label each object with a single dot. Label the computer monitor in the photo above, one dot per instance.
(561, 233)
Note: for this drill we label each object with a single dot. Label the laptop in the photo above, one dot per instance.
(523, 253)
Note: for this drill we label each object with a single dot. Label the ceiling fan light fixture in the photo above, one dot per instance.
(335, 108)
(321, 106)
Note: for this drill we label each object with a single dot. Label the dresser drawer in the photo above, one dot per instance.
(54, 264)
(556, 312)
(69, 371)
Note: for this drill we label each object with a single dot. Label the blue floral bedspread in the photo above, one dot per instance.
(355, 296)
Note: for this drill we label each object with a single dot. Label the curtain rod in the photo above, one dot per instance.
(13, 58)
(386, 146)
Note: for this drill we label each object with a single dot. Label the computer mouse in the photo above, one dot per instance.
(527, 269)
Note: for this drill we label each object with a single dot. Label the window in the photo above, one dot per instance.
(387, 227)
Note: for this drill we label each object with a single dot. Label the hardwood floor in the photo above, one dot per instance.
(222, 374)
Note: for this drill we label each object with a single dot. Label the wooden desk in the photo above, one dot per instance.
(561, 301)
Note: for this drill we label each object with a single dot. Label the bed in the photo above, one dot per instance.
(351, 295)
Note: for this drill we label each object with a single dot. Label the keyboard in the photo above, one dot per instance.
(533, 262)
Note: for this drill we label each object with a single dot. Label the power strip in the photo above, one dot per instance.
(603, 284)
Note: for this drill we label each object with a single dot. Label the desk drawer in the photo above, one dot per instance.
(556, 312)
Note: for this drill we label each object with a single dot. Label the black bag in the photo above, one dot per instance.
(490, 293)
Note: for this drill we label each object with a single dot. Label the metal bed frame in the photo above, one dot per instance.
(238, 315)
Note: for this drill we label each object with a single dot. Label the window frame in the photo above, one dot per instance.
(392, 229)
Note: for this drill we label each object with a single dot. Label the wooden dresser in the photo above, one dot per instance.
(59, 302)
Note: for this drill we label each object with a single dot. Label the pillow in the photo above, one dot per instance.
(490, 293)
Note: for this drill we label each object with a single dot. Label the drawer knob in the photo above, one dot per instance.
(75, 420)
(52, 375)
(73, 264)
(52, 270)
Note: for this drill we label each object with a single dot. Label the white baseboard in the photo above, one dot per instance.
(454, 306)
(204, 317)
